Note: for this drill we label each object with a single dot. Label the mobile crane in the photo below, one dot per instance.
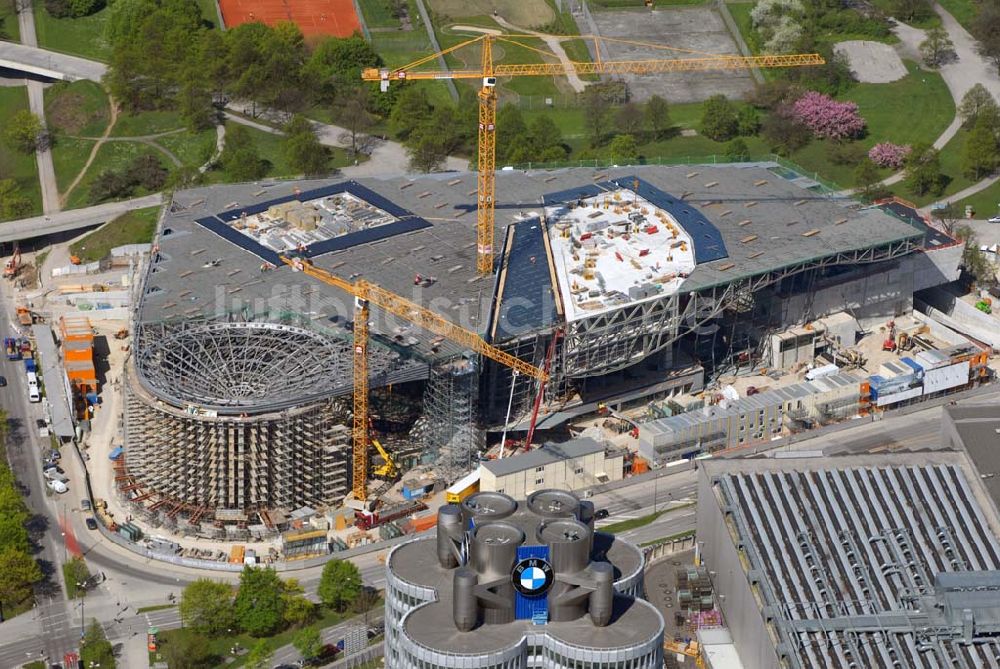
(488, 72)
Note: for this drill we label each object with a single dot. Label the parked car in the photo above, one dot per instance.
(49, 466)
(994, 219)
(55, 475)
(57, 486)
(91, 524)
(54, 454)
(601, 514)
(40, 422)
(85, 504)
(3, 381)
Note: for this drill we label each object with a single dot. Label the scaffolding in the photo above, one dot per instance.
(452, 440)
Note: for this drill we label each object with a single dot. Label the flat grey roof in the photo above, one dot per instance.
(848, 545)
(547, 454)
(55, 382)
(778, 211)
(977, 427)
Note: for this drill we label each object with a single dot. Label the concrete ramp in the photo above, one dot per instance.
(49, 64)
(945, 308)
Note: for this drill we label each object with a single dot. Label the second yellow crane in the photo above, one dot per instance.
(488, 72)
(365, 294)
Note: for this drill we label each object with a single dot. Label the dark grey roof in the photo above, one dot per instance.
(545, 455)
(526, 301)
(848, 553)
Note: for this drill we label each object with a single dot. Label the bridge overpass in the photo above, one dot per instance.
(49, 64)
(73, 219)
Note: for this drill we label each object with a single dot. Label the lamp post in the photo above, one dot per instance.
(83, 600)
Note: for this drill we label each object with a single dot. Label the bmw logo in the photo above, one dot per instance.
(532, 577)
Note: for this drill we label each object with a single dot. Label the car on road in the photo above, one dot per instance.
(3, 381)
(54, 454)
(601, 514)
(994, 219)
(43, 428)
(57, 486)
(91, 524)
(85, 504)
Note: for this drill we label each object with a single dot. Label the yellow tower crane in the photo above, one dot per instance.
(366, 293)
(488, 73)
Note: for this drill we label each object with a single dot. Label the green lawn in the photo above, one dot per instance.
(111, 156)
(951, 168)
(146, 123)
(191, 149)
(134, 227)
(158, 607)
(79, 108)
(663, 540)
(986, 203)
(68, 157)
(15, 165)
(378, 14)
(9, 29)
(626, 525)
(80, 37)
(964, 11)
(220, 646)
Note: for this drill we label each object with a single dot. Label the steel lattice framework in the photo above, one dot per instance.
(239, 367)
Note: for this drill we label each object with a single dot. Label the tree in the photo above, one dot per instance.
(23, 132)
(977, 103)
(110, 185)
(658, 116)
(867, 181)
(747, 122)
(986, 29)
(366, 599)
(195, 102)
(12, 531)
(718, 119)
(784, 133)
(737, 150)
(426, 153)
(259, 656)
(596, 110)
(147, 171)
(923, 171)
(337, 62)
(936, 47)
(298, 610)
(827, 117)
(912, 10)
(207, 607)
(96, 650)
(13, 204)
(259, 606)
(354, 113)
(18, 573)
(189, 650)
(308, 642)
(973, 260)
(887, 154)
(339, 585)
(412, 109)
(240, 160)
(302, 148)
(980, 155)
(624, 150)
(629, 118)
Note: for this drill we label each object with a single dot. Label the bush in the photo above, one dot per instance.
(147, 171)
(845, 153)
(110, 185)
(63, 9)
(785, 133)
(827, 117)
(718, 119)
(887, 154)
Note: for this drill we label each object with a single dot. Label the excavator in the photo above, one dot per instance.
(13, 265)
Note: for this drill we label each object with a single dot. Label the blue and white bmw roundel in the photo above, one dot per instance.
(532, 577)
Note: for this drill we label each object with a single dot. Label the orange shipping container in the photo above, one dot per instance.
(424, 523)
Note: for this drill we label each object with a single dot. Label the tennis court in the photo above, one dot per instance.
(313, 17)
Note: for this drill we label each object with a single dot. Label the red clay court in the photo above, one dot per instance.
(313, 17)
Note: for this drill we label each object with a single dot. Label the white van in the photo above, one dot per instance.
(32, 379)
(33, 394)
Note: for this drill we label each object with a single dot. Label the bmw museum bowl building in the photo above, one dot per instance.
(508, 584)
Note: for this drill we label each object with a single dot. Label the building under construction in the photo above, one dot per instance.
(627, 283)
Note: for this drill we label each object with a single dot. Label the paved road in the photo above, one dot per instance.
(52, 64)
(74, 219)
(36, 102)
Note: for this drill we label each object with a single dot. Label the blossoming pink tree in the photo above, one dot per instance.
(827, 117)
(887, 154)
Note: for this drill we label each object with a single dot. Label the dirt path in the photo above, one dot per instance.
(93, 151)
(555, 44)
